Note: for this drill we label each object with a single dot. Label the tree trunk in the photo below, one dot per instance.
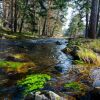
(52, 33)
(98, 16)
(93, 20)
(99, 31)
(22, 20)
(87, 19)
(44, 27)
(12, 15)
(21, 25)
(15, 16)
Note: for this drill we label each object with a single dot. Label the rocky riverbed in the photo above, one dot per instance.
(22, 62)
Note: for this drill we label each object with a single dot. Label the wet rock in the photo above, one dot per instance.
(96, 84)
(96, 77)
(39, 96)
(58, 43)
(3, 79)
(30, 96)
(18, 58)
(54, 96)
(59, 68)
(44, 95)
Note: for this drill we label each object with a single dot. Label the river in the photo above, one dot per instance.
(46, 53)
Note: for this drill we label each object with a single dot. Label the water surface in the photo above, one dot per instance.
(46, 53)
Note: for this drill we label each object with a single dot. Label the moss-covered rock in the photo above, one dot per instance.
(76, 87)
(19, 67)
(19, 57)
(85, 50)
(33, 82)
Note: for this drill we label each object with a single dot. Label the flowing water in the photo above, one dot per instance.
(46, 53)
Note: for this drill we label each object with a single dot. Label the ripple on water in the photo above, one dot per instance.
(44, 52)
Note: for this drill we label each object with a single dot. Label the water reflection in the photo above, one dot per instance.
(44, 52)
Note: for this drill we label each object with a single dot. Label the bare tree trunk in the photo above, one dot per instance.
(99, 31)
(87, 20)
(22, 20)
(15, 16)
(44, 27)
(55, 24)
(21, 25)
(98, 17)
(93, 20)
(12, 2)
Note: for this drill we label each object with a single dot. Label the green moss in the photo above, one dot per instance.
(19, 67)
(10, 64)
(75, 86)
(79, 62)
(34, 82)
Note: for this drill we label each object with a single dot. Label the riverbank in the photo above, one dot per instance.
(86, 58)
(85, 51)
(7, 34)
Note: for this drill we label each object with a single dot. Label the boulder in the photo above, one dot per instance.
(54, 96)
(95, 75)
(96, 84)
(40, 96)
(44, 95)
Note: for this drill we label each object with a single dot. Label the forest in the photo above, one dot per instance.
(49, 49)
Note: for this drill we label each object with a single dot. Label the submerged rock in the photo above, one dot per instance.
(59, 68)
(3, 79)
(18, 58)
(58, 43)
